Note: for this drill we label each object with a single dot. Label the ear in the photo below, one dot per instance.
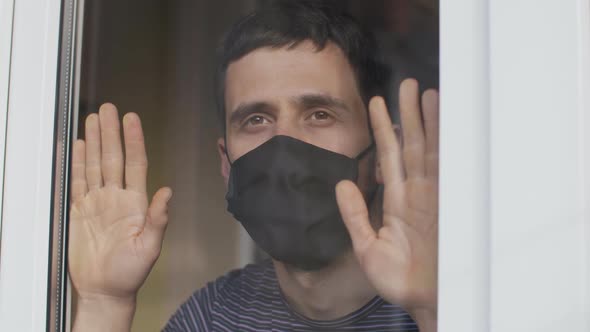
(224, 162)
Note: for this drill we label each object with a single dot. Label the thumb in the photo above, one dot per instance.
(355, 216)
(157, 218)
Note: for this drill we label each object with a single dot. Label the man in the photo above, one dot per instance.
(307, 147)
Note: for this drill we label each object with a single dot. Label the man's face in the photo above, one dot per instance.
(308, 95)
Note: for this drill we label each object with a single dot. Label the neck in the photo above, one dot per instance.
(334, 291)
(326, 294)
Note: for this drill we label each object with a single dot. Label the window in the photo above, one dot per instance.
(514, 206)
(158, 60)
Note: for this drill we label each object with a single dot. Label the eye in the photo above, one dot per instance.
(321, 116)
(256, 120)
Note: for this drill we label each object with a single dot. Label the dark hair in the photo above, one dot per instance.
(286, 23)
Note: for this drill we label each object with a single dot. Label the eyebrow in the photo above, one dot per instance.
(313, 100)
(244, 110)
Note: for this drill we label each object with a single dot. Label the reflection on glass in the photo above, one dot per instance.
(293, 89)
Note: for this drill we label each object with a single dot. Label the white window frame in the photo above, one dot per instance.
(6, 15)
(584, 109)
(484, 90)
(28, 163)
(464, 244)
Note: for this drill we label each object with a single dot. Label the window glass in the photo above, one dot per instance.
(295, 124)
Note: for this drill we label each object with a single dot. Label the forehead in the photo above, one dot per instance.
(274, 74)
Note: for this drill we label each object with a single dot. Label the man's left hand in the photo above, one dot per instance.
(400, 258)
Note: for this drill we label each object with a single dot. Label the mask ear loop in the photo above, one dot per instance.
(365, 151)
(226, 148)
(230, 185)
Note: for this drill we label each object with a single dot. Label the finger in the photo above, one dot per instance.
(78, 185)
(157, 219)
(388, 148)
(136, 159)
(112, 152)
(430, 109)
(355, 216)
(390, 158)
(93, 167)
(412, 129)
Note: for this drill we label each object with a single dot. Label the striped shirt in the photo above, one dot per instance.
(250, 300)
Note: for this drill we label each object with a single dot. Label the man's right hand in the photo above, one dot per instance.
(115, 236)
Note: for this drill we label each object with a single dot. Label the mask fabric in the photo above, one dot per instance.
(283, 193)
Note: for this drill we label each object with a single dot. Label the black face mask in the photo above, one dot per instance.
(284, 194)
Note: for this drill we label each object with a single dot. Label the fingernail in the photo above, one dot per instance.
(126, 119)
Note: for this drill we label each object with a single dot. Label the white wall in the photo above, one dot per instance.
(538, 253)
(514, 165)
